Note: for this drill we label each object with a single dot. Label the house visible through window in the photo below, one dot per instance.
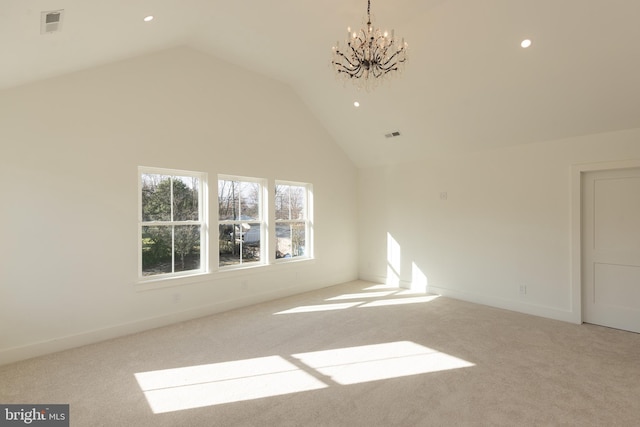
(240, 221)
(292, 220)
(172, 222)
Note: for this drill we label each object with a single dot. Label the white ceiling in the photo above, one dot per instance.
(468, 84)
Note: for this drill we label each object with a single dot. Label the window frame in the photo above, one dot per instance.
(262, 220)
(202, 222)
(307, 220)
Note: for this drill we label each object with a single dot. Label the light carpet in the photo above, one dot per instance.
(356, 354)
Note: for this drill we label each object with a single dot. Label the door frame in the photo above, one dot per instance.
(576, 225)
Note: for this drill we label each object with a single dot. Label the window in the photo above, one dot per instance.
(293, 220)
(172, 223)
(240, 221)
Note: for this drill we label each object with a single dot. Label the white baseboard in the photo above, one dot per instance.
(507, 304)
(16, 354)
(492, 301)
(41, 348)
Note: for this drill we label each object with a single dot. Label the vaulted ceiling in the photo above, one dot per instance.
(468, 84)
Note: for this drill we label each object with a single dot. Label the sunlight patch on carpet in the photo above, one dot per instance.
(361, 295)
(381, 286)
(376, 362)
(400, 301)
(199, 386)
(191, 387)
(375, 303)
(320, 307)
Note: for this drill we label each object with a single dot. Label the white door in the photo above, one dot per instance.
(611, 248)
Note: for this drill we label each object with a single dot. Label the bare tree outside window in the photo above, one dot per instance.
(240, 221)
(292, 220)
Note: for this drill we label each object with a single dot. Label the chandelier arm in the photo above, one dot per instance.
(354, 50)
(361, 42)
(391, 67)
(351, 74)
(378, 54)
(356, 55)
(387, 66)
(352, 69)
(395, 54)
(347, 70)
(346, 58)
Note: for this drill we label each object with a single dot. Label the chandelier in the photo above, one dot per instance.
(370, 55)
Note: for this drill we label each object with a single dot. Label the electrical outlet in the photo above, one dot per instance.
(245, 285)
(176, 298)
(523, 289)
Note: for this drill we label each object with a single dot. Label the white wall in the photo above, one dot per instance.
(506, 222)
(70, 148)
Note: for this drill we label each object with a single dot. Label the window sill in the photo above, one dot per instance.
(283, 261)
(167, 282)
(224, 272)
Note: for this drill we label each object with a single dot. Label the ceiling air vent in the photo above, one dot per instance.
(51, 21)
(392, 134)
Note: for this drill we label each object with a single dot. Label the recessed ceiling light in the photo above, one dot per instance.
(356, 104)
(525, 43)
(148, 18)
